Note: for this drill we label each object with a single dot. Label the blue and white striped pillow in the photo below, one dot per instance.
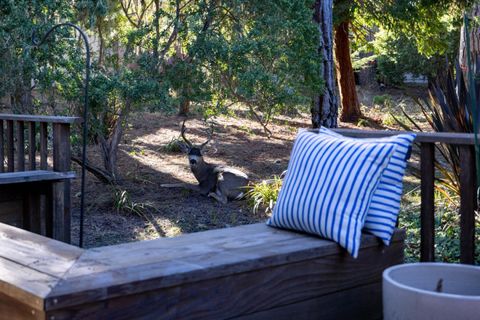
(329, 185)
(385, 205)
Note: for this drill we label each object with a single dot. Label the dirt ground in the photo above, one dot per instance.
(139, 209)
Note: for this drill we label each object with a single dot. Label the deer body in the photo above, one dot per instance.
(219, 182)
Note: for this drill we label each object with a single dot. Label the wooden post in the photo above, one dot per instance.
(31, 146)
(10, 147)
(467, 204)
(20, 146)
(43, 146)
(61, 163)
(427, 219)
(2, 148)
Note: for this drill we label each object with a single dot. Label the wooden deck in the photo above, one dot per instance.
(246, 272)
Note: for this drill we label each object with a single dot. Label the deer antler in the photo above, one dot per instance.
(209, 133)
(184, 129)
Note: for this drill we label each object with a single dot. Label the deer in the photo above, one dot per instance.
(221, 183)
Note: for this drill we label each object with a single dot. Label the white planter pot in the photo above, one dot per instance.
(409, 292)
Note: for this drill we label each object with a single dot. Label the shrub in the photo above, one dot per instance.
(264, 194)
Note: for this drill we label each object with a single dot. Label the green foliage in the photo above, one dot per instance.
(52, 69)
(382, 100)
(264, 194)
(124, 204)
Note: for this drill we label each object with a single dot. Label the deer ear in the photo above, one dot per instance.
(183, 146)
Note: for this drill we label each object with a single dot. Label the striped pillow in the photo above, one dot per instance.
(383, 212)
(329, 185)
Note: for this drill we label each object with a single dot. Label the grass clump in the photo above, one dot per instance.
(264, 194)
(382, 100)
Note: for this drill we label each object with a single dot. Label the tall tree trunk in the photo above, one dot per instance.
(346, 80)
(325, 106)
(474, 37)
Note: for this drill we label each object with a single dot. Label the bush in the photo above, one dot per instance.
(264, 194)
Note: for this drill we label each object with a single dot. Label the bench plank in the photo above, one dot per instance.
(34, 176)
(229, 296)
(46, 119)
(193, 257)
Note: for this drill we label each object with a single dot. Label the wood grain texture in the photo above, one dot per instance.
(467, 204)
(11, 309)
(34, 176)
(261, 289)
(32, 147)
(427, 210)
(43, 146)
(2, 148)
(195, 257)
(10, 147)
(46, 119)
(61, 163)
(428, 137)
(20, 146)
(363, 302)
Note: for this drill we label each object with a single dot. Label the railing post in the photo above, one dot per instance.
(2, 148)
(31, 146)
(427, 220)
(20, 146)
(43, 146)
(61, 163)
(467, 204)
(10, 147)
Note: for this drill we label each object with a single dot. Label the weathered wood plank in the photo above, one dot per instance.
(222, 297)
(45, 119)
(15, 309)
(2, 148)
(36, 252)
(192, 257)
(43, 146)
(20, 146)
(427, 137)
(24, 283)
(364, 302)
(427, 211)
(467, 204)
(61, 163)
(10, 147)
(32, 148)
(33, 176)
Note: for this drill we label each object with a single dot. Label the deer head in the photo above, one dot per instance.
(194, 152)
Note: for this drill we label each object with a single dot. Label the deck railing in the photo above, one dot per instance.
(13, 145)
(24, 145)
(465, 144)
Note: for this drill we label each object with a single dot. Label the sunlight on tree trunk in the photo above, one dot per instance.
(474, 36)
(325, 107)
(346, 81)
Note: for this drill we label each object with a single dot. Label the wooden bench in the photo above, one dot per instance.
(29, 200)
(35, 181)
(246, 272)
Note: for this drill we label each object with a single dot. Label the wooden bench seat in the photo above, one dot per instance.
(34, 176)
(35, 201)
(246, 272)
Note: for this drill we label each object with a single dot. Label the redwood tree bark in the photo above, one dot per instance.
(346, 80)
(325, 106)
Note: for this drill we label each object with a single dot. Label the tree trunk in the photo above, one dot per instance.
(325, 106)
(184, 107)
(346, 79)
(474, 36)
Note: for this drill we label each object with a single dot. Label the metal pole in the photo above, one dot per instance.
(85, 111)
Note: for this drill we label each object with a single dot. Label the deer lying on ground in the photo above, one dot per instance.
(219, 182)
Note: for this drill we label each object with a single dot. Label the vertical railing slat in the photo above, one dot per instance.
(10, 147)
(467, 204)
(61, 163)
(427, 219)
(2, 148)
(20, 146)
(32, 148)
(43, 146)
